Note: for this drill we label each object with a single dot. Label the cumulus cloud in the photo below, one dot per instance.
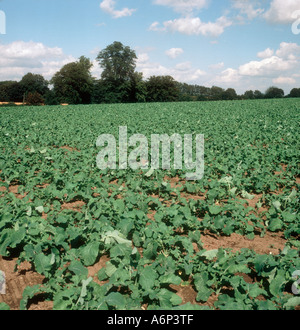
(275, 67)
(247, 8)
(217, 66)
(194, 26)
(281, 11)
(174, 52)
(108, 6)
(183, 72)
(189, 23)
(266, 53)
(288, 50)
(183, 6)
(267, 67)
(20, 57)
(284, 81)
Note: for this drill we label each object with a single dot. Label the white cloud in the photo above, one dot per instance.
(174, 52)
(183, 72)
(20, 57)
(288, 50)
(275, 67)
(108, 6)
(217, 66)
(248, 8)
(285, 60)
(194, 26)
(228, 76)
(183, 6)
(266, 53)
(267, 67)
(284, 81)
(281, 11)
(28, 50)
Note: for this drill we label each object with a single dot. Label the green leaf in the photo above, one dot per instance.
(78, 269)
(170, 279)
(204, 292)
(83, 292)
(29, 293)
(292, 303)
(149, 173)
(116, 236)
(120, 250)
(147, 278)
(4, 307)
(275, 224)
(209, 255)
(89, 253)
(43, 264)
(117, 300)
(246, 195)
(102, 275)
(277, 205)
(110, 269)
(168, 299)
(215, 209)
(39, 209)
(276, 285)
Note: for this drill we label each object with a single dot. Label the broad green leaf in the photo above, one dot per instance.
(43, 264)
(215, 209)
(117, 300)
(168, 299)
(147, 278)
(90, 253)
(77, 268)
(204, 292)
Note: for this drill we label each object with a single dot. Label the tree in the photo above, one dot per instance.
(34, 99)
(138, 90)
(216, 93)
(162, 89)
(258, 94)
(229, 94)
(118, 62)
(10, 91)
(248, 95)
(295, 92)
(34, 83)
(73, 84)
(119, 81)
(274, 93)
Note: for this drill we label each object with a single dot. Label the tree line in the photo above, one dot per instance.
(119, 83)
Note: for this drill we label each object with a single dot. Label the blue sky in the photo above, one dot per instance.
(244, 44)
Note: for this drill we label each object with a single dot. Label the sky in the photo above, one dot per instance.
(240, 44)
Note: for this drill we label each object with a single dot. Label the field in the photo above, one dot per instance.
(73, 236)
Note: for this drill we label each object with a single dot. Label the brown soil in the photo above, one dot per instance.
(74, 206)
(271, 243)
(17, 281)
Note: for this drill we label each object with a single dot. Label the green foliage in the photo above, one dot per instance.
(73, 84)
(161, 89)
(34, 99)
(151, 245)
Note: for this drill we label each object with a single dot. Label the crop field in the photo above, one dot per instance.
(75, 237)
